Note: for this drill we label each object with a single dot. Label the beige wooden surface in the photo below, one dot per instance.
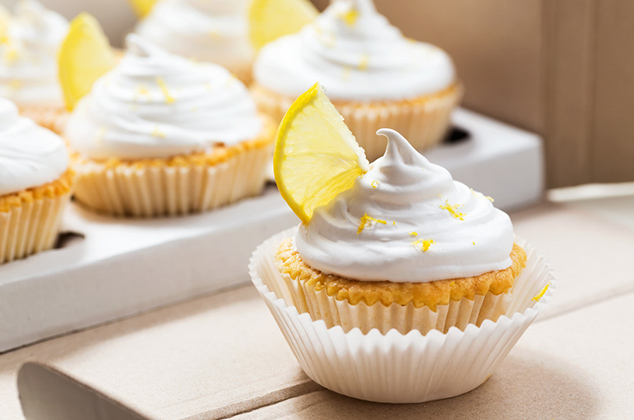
(223, 355)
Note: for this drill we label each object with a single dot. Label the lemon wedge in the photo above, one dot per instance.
(271, 19)
(142, 8)
(84, 56)
(316, 156)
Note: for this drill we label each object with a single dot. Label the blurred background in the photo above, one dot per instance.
(561, 68)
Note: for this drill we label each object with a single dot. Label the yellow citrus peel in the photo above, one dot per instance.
(365, 220)
(142, 8)
(316, 156)
(84, 56)
(542, 293)
(272, 19)
(453, 210)
(422, 244)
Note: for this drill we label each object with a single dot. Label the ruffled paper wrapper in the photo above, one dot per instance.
(52, 117)
(423, 121)
(30, 220)
(147, 189)
(396, 367)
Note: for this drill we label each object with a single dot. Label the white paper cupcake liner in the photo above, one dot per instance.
(403, 318)
(396, 367)
(31, 227)
(149, 191)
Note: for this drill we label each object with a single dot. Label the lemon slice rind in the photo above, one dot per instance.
(84, 56)
(316, 156)
(272, 19)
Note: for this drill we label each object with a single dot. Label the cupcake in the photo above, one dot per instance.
(409, 245)
(374, 76)
(35, 185)
(163, 135)
(213, 31)
(400, 285)
(28, 64)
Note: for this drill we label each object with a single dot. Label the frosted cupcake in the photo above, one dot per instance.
(400, 285)
(406, 247)
(215, 31)
(35, 184)
(373, 75)
(162, 135)
(28, 64)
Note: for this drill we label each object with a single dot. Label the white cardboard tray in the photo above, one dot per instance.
(499, 160)
(126, 266)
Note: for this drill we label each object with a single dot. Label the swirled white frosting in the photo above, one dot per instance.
(406, 220)
(157, 105)
(28, 57)
(355, 54)
(30, 155)
(214, 31)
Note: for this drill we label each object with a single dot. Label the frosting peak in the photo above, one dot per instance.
(30, 156)
(356, 54)
(157, 105)
(28, 58)
(406, 220)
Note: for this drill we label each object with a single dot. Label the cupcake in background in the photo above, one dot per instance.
(35, 184)
(28, 62)
(160, 134)
(374, 76)
(206, 30)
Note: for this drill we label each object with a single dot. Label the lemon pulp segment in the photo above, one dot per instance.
(84, 56)
(316, 156)
(271, 19)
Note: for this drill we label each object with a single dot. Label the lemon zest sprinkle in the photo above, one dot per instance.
(422, 244)
(157, 132)
(11, 55)
(141, 90)
(161, 82)
(374, 184)
(542, 293)
(363, 63)
(393, 222)
(346, 72)
(452, 209)
(414, 233)
(350, 17)
(365, 220)
(482, 195)
(474, 242)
